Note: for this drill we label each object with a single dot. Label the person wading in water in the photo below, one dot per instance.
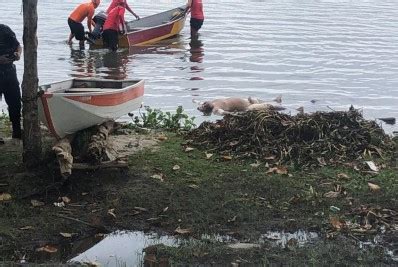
(82, 11)
(197, 15)
(113, 24)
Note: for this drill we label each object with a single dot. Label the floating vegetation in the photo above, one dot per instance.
(317, 139)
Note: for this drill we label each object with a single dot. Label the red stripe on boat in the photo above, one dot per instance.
(149, 34)
(48, 115)
(110, 99)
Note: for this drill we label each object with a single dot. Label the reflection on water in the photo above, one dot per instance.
(108, 64)
(125, 248)
(83, 64)
(284, 239)
(115, 64)
(122, 249)
(197, 51)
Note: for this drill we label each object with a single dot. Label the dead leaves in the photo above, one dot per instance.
(189, 149)
(5, 197)
(372, 166)
(111, 212)
(233, 219)
(331, 194)
(62, 201)
(28, 227)
(208, 155)
(66, 235)
(159, 177)
(181, 231)
(336, 223)
(65, 199)
(367, 220)
(36, 203)
(47, 248)
(255, 165)
(374, 187)
(162, 138)
(138, 210)
(176, 167)
(193, 186)
(338, 191)
(278, 170)
(343, 176)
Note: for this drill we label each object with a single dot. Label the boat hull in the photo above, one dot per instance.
(67, 113)
(151, 29)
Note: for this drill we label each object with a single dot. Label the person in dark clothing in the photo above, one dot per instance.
(10, 51)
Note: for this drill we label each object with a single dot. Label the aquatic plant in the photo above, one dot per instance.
(157, 119)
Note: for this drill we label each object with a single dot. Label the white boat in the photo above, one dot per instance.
(69, 106)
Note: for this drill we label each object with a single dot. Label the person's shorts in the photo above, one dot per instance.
(110, 39)
(77, 29)
(196, 23)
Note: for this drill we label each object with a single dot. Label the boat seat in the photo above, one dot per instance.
(77, 90)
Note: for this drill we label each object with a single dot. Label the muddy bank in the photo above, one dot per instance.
(189, 192)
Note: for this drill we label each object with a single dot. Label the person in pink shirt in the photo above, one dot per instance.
(114, 3)
(113, 25)
(197, 15)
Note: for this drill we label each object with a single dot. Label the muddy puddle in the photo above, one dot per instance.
(125, 248)
(389, 244)
(122, 249)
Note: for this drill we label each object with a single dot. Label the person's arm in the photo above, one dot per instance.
(131, 11)
(122, 21)
(90, 21)
(189, 5)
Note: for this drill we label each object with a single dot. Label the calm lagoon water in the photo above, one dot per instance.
(337, 52)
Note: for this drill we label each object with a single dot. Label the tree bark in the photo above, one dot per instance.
(97, 148)
(31, 138)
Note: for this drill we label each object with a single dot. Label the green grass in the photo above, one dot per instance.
(212, 195)
(205, 196)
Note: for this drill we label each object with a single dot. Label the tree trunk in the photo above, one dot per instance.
(97, 148)
(31, 137)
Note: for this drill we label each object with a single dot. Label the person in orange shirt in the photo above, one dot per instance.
(114, 3)
(114, 24)
(82, 11)
(197, 15)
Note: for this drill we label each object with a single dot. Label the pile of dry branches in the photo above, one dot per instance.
(321, 138)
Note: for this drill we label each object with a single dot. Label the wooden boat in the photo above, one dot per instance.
(152, 29)
(69, 106)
